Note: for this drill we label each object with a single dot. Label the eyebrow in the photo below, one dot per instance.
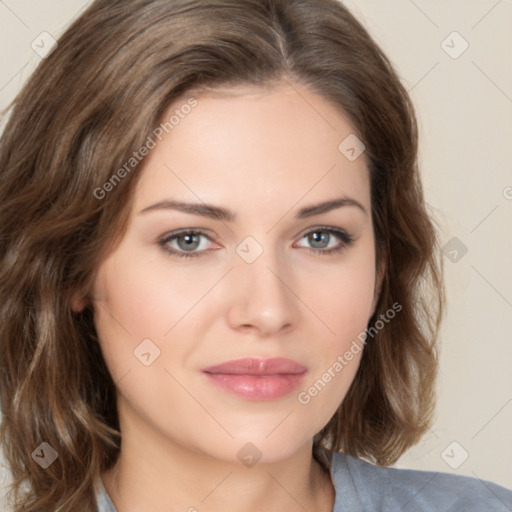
(219, 213)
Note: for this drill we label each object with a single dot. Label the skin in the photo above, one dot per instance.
(263, 154)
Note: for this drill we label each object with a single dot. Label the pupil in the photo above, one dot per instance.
(190, 240)
(319, 237)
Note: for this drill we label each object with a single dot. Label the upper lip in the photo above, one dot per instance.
(255, 366)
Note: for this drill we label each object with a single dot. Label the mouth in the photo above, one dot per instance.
(257, 379)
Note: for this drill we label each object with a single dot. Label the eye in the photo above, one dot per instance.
(187, 242)
(321, 237)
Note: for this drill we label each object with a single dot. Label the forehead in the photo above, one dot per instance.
(246, 146)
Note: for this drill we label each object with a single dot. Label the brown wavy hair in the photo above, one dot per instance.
(81, 116)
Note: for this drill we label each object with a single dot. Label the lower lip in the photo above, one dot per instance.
(258, 387)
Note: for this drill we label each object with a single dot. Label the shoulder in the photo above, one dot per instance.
(407, 490)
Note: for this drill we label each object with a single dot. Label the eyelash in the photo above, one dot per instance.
(346, 239)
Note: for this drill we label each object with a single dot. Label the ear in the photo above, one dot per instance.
(78, 301)
(379, 278)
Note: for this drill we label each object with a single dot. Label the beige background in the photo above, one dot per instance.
(465, 112)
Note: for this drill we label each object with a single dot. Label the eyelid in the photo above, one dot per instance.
(172, 235)
(346, 238)
(330, 229)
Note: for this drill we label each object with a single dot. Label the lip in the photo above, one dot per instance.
(255, 366)
(257, 379)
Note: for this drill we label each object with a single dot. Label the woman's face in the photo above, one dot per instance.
(245, 272)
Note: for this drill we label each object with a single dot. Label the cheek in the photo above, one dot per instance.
(131, 322)
(343, 307)
(125, 313)
(341, 295)
(141, 308)
(139, 300)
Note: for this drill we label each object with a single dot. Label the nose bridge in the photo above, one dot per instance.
(263, 299)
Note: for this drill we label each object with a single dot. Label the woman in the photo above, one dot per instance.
(220, 284)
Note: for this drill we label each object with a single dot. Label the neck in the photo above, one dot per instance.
(159, 475)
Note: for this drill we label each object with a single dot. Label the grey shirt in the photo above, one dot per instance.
(363, 487)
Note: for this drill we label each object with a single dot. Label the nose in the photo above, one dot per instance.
(262, 297)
